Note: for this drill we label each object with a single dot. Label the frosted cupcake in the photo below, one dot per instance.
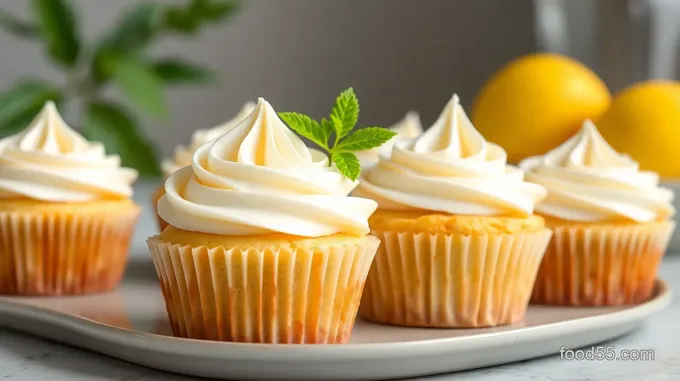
(183, 154)
(460, 244)
(264, 245)
(610, 220)
(65, 211)
(408, 128)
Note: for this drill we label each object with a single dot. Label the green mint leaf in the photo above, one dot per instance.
(57, 25)
(347, 163)
(306, 127)
(365, 139)
(327, 127)
(345, 114)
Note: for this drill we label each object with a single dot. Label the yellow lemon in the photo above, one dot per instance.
(536, 102)
(644, 122)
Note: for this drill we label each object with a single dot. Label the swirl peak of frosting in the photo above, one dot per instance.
(49, 161)
(182, 155)
(588, 150)
(589, 181)
(48, 133)
(408, 128)
(260, 178)
(450, 168)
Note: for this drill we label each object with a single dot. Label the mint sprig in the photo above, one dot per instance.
(334, 134)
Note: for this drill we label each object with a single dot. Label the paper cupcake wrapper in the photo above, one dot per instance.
(154, 202)
(63, 254)
(444, 280)
(601, 266)
(302, 296)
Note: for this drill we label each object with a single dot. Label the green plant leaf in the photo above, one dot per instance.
(139, 82)
(132, 33)
(365, 139)
(120, 134)
(327, 127)
(57, 24)
(17, 27)
(178, 20)
(216, 10)
(189, 19)
(22, 102)
(173, 71)
(135, 29)
(306, 127)
(345, 114)
(347, 163)
(22, 121)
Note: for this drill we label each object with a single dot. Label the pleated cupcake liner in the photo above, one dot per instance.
(452, 280)
(601, 265)
(265, 295)
(63, 254)
(154, 202)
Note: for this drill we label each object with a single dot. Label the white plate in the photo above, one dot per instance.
(131, 325)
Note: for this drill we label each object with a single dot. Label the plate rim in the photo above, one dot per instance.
(342, 352)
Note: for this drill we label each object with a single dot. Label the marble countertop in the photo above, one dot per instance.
(27, 358)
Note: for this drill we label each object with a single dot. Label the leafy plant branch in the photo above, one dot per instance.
(118, 58)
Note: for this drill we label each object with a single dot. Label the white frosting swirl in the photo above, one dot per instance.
(49, 161)
(408, 128)
(451, 168)
(183, 154)
(260, 178)
(588, 181)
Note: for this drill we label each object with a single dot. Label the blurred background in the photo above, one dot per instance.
(399, 55)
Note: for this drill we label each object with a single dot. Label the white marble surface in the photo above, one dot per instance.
(26, 358)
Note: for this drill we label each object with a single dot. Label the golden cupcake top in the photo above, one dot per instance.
(49, 161)
(452, 169)
(588, 181)
(436, 223)
(276, 241)
(260, 178)
(408, 128)
(183, 154)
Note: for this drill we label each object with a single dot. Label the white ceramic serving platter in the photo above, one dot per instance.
(131, 324)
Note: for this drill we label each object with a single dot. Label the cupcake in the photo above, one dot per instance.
(183, 154)
(65, 211)
(611, 224)
(460, 244)
(263, 243)
(408, 128)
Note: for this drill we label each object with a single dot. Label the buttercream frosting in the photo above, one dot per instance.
(450, 168)
(260, 178)
(182, 155)
(588, 181)
(49, 161)
(408, 128)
